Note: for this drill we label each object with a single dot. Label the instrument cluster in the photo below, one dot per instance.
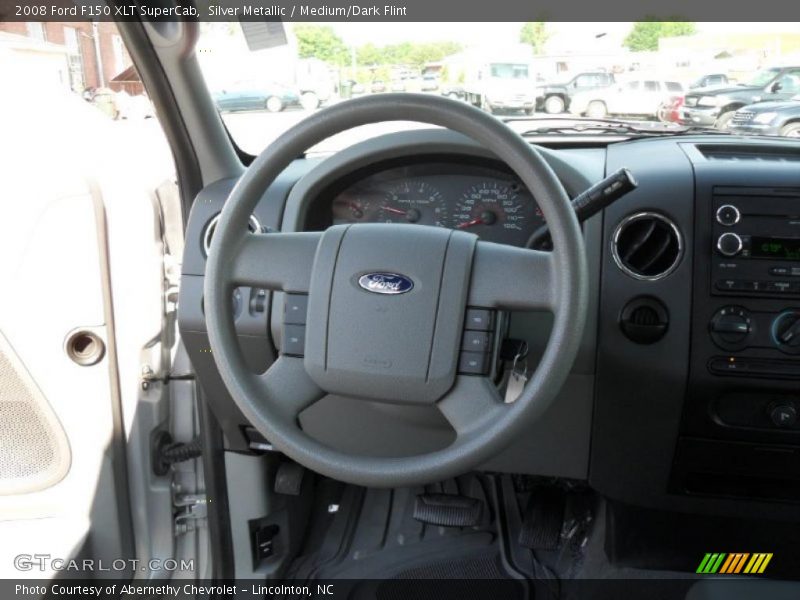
(492, 203)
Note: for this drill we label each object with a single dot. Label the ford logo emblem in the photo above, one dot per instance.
(386, 283)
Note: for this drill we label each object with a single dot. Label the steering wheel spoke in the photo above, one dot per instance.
(275, 261)
(511, 278)
(288, 387)
(472, 404)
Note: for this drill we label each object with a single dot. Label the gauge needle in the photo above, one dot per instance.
(471, 223)
(396, 211)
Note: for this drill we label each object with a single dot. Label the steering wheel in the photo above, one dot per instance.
(386, 303)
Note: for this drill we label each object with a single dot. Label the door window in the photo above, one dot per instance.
(789, 83)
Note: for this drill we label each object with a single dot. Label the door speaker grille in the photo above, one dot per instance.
(34, 453)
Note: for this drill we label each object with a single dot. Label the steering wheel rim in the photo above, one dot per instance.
(483, 424)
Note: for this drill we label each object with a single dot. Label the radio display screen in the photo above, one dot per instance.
(775, 248)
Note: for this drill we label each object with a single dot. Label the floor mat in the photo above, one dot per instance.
(372, 535)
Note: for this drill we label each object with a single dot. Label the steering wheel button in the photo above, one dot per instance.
(473, 363)
(295, 307)
(479, 319)
(294, 340)
(476, 341)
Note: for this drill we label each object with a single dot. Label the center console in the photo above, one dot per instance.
(740, 432)
(705, 416)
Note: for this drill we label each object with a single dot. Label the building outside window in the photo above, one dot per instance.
(75, 59)
(36, 31)
(119, 54)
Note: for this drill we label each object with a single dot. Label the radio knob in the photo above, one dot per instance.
(728, 215)
(729, 244)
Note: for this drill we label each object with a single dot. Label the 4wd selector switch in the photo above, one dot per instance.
(730, 327)
(729, 244)
(782, 414)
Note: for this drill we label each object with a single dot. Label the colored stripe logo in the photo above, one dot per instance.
(734, 563)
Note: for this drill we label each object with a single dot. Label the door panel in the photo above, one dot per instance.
(54, 312)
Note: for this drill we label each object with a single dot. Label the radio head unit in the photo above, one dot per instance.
(756, 242)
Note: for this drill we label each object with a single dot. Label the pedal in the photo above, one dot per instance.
(289, 478)
(544, 517)
(448, 510)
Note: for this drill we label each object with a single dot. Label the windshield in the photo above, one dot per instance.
(264, 78)
(509, 71)
(763, 77)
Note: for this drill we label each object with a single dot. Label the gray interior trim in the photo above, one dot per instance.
(173, 43)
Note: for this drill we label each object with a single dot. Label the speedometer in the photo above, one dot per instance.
(414, 202)
(495, 210)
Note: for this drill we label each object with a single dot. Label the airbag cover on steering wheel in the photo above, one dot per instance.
(400, 347)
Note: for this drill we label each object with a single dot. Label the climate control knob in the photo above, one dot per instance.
(729, 244)
(786, 331)
(730, 327)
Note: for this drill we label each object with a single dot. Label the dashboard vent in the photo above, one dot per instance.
(644, 320)
(759, 153)
(253, 225)
(647, 246)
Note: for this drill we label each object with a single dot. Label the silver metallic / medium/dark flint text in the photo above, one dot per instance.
(354, 10)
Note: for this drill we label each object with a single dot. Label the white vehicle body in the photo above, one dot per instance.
(315, 81)
(641, 96)
(498, 79)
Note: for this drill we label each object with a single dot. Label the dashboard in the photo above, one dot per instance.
(686, 362)
(490, 202)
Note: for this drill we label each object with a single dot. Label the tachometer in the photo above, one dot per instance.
(413, 202)
(355, 207)
(494, 206)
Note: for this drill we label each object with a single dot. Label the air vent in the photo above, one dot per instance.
(758, 153)
(644, 320)
(253, 225)
(647, 246)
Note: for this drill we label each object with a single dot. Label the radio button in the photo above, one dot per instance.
(782, 287)
(728, 215)
(753, 286)
(729, 285)
(729, 244)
